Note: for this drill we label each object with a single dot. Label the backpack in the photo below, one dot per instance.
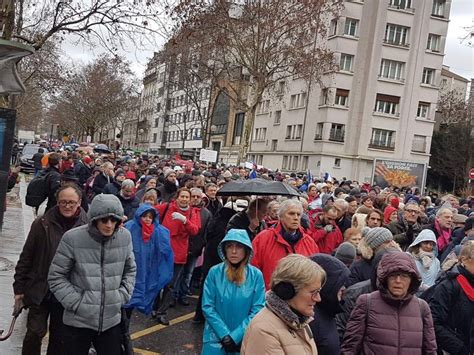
(37, 191)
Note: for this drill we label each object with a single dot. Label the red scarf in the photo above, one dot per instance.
(466, 286)
(444, 236)
(147, 231)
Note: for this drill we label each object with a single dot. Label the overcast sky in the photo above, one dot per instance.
(459, 57)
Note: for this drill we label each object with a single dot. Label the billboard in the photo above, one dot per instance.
(398, 173)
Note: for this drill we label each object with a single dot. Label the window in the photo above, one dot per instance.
(294, 131)
(337, 132)
(391, 69)
(346, 62)
(419, 144)
(294, 165)
(260, 134)
(387, 104)
(281, 87)
(333, 28)
(423, 110)
(238, 127)
(285, 163)
(382, 139)
(277, 118)
(397, 35)
(433, 42)
(263, 107)
(298, 100)
(342, 97)
(319, 131)
(438, 8)
(428, 76)
(325, 97)
(401, 4)
(337, 162)
(274, 145)
(304, 162)
(351, 27)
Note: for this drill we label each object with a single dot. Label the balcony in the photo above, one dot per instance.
(401, 8)
(382, 145)
(336, 136)
(396, 44)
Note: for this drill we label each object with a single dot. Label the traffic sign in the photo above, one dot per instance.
(471, 174)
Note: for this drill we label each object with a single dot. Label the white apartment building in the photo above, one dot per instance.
(380, 103)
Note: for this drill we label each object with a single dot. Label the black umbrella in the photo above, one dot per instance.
(102, 148)
(260, 187)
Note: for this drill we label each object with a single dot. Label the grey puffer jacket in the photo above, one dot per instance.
(93, 276)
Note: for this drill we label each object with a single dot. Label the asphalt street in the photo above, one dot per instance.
(149, 337)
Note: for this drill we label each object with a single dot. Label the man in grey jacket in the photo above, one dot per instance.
(93, 275)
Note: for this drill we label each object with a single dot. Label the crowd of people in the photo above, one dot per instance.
(345, 268)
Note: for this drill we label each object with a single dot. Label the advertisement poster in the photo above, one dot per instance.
(399, 174)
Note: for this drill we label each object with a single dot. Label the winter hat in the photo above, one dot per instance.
(355, 192)
(338, 190)
(119, 172)
(227, 174)
(395, 202)
(346, 252)
(459, 218)
(375, 237)
(168, 172)
(87, 159)
(68, 175)
(105, 205)
(387, 213)
(325, 198)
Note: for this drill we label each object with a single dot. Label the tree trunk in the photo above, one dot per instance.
(248, 127)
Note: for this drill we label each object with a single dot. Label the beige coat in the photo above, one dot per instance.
(267, 334)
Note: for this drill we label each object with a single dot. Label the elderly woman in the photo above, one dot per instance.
(391, 320)
(282, 327)
(423, 250)
(234, 293)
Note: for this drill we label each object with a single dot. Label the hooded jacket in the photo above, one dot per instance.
(324, 324)
(154, 261)
(179, 232)
(92, 275)
(269, 247)
(382, 324)
(229, 307)
(428, 276)
(31, 271)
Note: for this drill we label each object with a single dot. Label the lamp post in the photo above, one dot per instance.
(10, 84)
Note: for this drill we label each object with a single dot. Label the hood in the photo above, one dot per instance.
(143, 208)
(396, 262)
(235, 235)
(337, 274)
(426, 235)
(105, 205)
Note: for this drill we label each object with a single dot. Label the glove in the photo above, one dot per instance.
(179, 217)
(229, 345)
(328, 228)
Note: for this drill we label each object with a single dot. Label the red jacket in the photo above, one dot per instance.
(179, 232)
(327, 242)
(269, 247)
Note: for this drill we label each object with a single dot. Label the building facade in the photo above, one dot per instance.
(381, 102)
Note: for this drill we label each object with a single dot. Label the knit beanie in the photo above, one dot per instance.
(168, 172)
(375, 237)
(395, 202)
(346, 252)
(387, 213)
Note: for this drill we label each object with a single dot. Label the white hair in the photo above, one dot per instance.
(287, 204)
(443, 210)
(127, 183)
(343, 204)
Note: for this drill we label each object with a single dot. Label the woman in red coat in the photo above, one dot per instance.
(183, 223)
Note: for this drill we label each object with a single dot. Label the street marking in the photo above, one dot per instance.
(158, 327)
(144, 352)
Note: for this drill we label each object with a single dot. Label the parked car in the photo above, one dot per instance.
(26, 158)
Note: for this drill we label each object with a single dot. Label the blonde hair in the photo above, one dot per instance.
(350, 232)
(150, 195)
(358, 220)
(467, 251)
(237, 274)
(298, 270)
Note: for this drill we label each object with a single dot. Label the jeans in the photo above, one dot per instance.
(187, 274)
(78, 341)
(162, 303)
(37, 326)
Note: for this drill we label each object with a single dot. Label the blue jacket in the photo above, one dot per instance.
(228, 307)
(154, 261)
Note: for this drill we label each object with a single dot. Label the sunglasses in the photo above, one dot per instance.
(105, 220)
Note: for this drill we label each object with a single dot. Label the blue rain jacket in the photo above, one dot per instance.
(228, 307)
(154, 261)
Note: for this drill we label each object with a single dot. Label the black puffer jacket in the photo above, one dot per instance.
(361, 270)
(324, 324)
(453, 314)
(399, 230)
(198, 242)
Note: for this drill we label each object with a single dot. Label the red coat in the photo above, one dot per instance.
(269, 247)
(327, 242)
(179, 232)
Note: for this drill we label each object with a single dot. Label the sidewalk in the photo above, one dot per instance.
(17, 221)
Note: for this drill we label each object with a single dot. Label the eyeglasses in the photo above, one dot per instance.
(63, 203)
(315, 293)
(105, 220)
(402, 275)
(413, 211)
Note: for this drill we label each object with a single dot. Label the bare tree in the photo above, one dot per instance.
(452, 107)
(265, 41)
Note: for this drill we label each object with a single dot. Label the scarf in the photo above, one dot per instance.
(466, 286)
(291, 237)
(147, 231)
(444, 236)
(283, 311)
(425, 257)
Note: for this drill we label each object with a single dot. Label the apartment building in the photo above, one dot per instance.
(381, 102)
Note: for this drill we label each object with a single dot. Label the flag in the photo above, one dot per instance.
(309, 177)
(253, 174)
(327, 177)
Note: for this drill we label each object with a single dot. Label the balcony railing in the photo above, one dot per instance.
(336, 136)
(393, 43)
(382, 145)
(399, 7)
